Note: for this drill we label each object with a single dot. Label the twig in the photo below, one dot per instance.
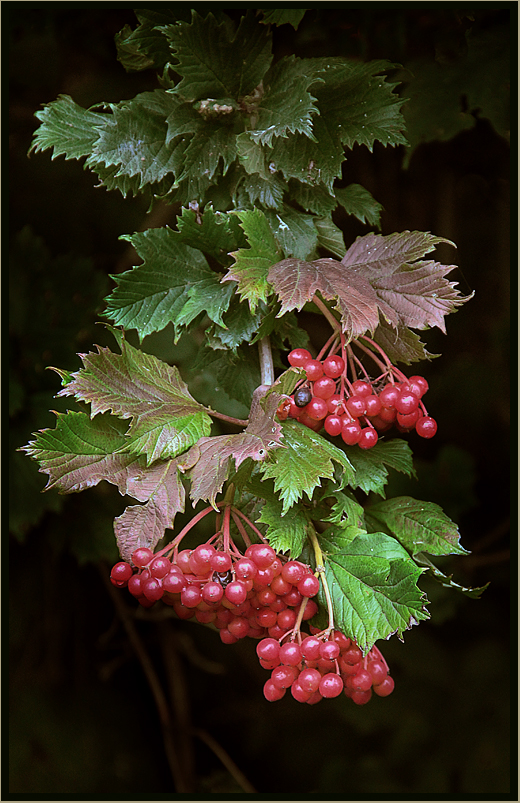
(266, 361)
(226, 759)
(161, 702)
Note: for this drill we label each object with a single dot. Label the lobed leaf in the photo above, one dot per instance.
(79, 452)
(295, 232)
(419, 526)
(357, 201)
(373, 585)
(286, 532)
(216, 60)
(286, 105)
(166, 419)
(401, 344)
(252, 264)
(67, 128)
(173, 285)
(306, 460)
(370, 465)
(281, 16)
(214, 455)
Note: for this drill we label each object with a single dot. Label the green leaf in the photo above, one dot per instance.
(286, 105)
(238, 373)
(215, 60)
(315, 198)
(373, 585)
(401, 344)
(213, 233)
(370, 466)
(174, 285)
(446, 581)
(419, 526)
(306, 460)
(314, 163)
(134, 139)
(281, 16)
(79, 452)
(329, 235)
(357, 201)
(252, 264)
(346, 512)
(286, 531)
(239, 324)
(166, 419)
(294, 231)
(67, 128)
(214, 142)
(268, 192)
(146, 47)
(252, 156)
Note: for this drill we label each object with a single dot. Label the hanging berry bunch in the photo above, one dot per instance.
(329, 399)
(300, 538)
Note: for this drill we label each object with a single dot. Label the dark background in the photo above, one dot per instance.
(82, 716)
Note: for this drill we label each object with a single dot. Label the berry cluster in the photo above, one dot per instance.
(328, 399)
(252, 595)
(321, 665)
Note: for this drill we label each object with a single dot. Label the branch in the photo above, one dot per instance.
(266, 361)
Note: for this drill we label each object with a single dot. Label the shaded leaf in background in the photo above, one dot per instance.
(281, 16)
(357, 201)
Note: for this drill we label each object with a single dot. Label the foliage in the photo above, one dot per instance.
(242, 145)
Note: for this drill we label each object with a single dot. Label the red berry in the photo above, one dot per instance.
(212, 592)
(335, 404)
(299, 694)
(351, 432)
(309, 586)
(245, 569)
(388, 415)
(356, 406)
(299, 357)
(373, 405)
(368, 438)
(388, 395)
(293, 571)
(311, 609)
(236, 592)
(333, 425)
(121, 572)
(160, 567)
(290, 653)
(418, 385)
(283, 676)
(426, 427)
(329, 650)
(361, 697)
(314, 370)
(153, 589)
(377, 671)
(286, 618)
(183, 560)
(220, 562)
(409, 420)
(333, 366)
(361, 681)
(406, 402)
(309, 680)
(191, 596)
(262, 554)
(385, 688)
(271, 692)
(141, 557)
(324, 388)
(331, 685)
(353, 655)
(174, 582)
(317, 408)
(239, 627)
(312, 423)
(310, 648)
(361, 388)
(280, 586)
(135, 585)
